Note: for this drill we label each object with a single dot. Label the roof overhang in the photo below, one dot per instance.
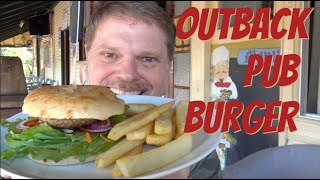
(13, 14)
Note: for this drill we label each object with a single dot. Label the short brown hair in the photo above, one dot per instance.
(147, 11)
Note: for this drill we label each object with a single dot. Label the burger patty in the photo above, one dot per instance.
(68, 123)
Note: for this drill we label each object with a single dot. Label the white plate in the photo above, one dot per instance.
(203, 145)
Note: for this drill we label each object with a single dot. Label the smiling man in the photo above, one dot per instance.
(130, 48)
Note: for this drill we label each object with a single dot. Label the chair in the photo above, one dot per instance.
(291, 161)
(13, 86)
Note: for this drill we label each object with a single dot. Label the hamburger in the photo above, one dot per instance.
(64, 127)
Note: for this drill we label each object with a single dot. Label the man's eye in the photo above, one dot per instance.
(110, 55)
(149, 59)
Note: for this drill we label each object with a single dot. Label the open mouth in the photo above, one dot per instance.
(119, 92)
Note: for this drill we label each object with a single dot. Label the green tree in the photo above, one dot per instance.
(23, 53)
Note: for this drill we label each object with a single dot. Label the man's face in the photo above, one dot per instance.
(129, 57)
(221, 70)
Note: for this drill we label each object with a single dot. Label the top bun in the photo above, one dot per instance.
(60, 102)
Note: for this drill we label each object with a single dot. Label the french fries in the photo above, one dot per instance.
(181, 115)
(135, 108)
(155, 158)
(116, 170)
(163, 124)
(115, 152)
(140, 134)
(159, 140)
(135, 122)
(155, 125)
(165, 107)
(135, 151)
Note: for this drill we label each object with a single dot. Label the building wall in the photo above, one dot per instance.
(61, 21)
(181, 76)
(181, 64)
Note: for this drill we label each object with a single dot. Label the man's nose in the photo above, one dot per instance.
(128, 70)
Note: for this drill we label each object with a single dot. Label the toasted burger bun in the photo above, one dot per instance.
(60, 102)
(68, 161)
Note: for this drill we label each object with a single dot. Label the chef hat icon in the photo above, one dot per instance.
(219, 54)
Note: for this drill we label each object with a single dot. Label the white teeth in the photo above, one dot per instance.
(117, 91)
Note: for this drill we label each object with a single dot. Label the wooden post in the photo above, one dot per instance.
(38, 56)
(200, 63)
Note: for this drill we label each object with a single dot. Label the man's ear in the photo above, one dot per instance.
(86, 51)
(83, 73)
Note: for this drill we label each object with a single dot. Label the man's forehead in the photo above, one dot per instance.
(127, 19)
(121, 24)
(115, 26)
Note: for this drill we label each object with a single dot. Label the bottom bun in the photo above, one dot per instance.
(68, 161)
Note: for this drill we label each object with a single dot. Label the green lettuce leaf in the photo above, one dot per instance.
(119, 118)
(11, 125)
(45, 142)
(4, 122)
